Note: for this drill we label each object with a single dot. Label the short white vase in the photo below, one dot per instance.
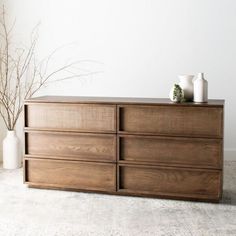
(11, 151)
(186, 83)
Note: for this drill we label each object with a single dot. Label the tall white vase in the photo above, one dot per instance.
(11, 151)
(200, 89)
(186, 83)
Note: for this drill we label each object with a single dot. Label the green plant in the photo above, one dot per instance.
(178, 94)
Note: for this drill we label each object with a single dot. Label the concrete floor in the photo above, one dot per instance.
(34, 212)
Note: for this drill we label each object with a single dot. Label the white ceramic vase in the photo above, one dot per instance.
(11, 151)
(200, 89)
(186, 83)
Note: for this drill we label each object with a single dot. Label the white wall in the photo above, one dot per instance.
(143, 45)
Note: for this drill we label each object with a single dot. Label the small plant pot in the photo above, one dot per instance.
(176, 93)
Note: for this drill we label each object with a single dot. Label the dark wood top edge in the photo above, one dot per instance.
(120, 101)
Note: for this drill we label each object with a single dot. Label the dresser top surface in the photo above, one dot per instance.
(119, 100)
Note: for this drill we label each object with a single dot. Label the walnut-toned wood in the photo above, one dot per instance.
(80, 117)
(71, 174)
(167, 180)
(181, 121)
(75, 146)
(176, 151)
(125, 146)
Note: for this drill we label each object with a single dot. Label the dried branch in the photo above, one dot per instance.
(21, 76)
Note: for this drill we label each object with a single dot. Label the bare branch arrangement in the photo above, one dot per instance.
(21, 76)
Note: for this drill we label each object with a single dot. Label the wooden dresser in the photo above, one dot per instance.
(127, 146)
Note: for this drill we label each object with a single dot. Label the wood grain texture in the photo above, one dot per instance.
(173, 196)
(75, 146)
(125, 146)
(97, 118)
(71, 174)
(167, 180)
(181, 121)
(193, 152)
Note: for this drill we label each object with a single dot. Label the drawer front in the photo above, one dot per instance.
(100, 147)
(71, 174)
(81, 117)
(172, 120)
(193, 183)
(194, 152)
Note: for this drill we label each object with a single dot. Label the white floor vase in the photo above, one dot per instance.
(11, 151)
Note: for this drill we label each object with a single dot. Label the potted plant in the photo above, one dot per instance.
(176, 94)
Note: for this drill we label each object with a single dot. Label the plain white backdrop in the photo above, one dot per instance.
(141, 46)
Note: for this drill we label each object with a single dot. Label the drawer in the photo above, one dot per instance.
(196, 152)
(71, 174)
(172, 120)
(75, 146)
(167, 181)
(78, 117)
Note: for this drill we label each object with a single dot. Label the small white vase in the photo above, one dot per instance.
(200, 89)
(11, 151)
(186, 83)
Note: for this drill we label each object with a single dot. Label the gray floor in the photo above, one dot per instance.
(34, 212)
